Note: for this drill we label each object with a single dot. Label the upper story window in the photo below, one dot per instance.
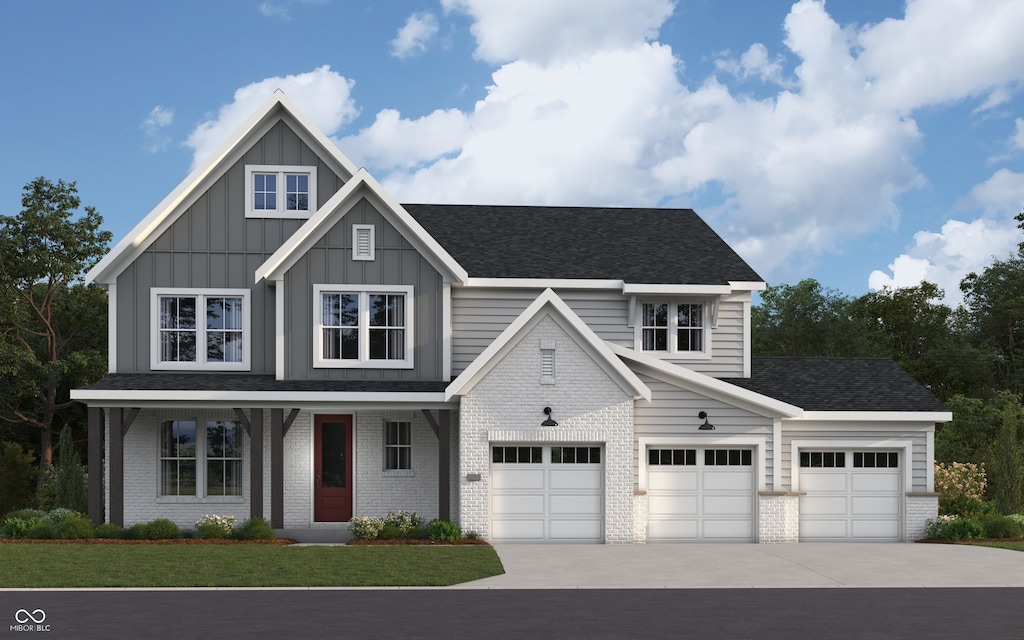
(200, 329)
(363, 326)
(275, 191)
(673, 327)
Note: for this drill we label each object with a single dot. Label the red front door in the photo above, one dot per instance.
(332, 468)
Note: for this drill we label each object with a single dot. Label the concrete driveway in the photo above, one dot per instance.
(540, 566)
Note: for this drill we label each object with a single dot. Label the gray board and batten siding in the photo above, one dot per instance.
(480, 314)
(213, 245)
(329, 261)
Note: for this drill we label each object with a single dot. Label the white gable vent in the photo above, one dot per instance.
(362, 242)
(547, 366)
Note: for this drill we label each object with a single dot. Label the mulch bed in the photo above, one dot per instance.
(279, 542)
(938, 541)
(463, 541)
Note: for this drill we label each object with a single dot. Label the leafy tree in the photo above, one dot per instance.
(925, 337)
(51, 335)
(808, 320)
(994, 300)
(17, 473)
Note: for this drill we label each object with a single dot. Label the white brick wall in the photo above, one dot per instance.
(640, 518)
(142, 499)
(920, 509)
(379, 491)
(778, 518)
(506, 406)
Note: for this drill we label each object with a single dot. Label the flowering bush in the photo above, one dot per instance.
(365, 527)
(404, 522)
(215, 527)
(961, 486)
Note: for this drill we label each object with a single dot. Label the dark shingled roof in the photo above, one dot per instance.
(838, 384)
(245, 382)
(642, 246)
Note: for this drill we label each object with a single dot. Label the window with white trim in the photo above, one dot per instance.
(189, 469)
(363, 326)
(276, 191)
(672, 327)
(397, 445)
(200, 329)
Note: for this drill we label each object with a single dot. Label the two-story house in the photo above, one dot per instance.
(288, 341)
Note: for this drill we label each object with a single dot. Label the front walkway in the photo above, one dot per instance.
(684, 566)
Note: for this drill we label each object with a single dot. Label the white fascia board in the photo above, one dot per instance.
(128, 248)
(877, 416)
(711, 385)
(335, 210)
(483, 363)
(630, 289)
(149, 397)
(738, 285)
(542, 283)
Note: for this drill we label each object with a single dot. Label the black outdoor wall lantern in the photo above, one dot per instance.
(707, 426)
(548, 422)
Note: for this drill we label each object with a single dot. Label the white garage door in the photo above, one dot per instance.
(547, 493)
(700, 494)
(851, 496)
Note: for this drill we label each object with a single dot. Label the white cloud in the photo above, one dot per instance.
(271, 10)
(962, 247)
(393, 142)
(153, 127)
(1018, 137)
(323, 96)
(545, 31)
(753, 62)
(947, 256)
(412, 38)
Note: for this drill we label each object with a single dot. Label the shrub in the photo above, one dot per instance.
(950, 527)
(1001, 527)
(17, 477)
(472, 535)
(213, 527)
(407, 523)
(961, 486)
(161, 529)
(17, 528)
(253, 529)
(109, 531)
(42, 530)
(77, 526)
(365, 527)
(391, 532)
(445, 530)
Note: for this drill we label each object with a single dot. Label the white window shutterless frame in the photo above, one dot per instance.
(200, 329)
(363, 326)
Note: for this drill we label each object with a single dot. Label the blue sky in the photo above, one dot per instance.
(859, 142)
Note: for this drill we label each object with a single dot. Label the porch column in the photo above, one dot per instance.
(442, 428)
(96, 465)
(444, 464)
(120, 422)
(253, 424)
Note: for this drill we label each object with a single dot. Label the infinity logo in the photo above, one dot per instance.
(23, 616)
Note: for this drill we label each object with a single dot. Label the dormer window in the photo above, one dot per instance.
(672, 327)
(275, 191)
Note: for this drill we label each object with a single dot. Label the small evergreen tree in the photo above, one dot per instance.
(69, 475)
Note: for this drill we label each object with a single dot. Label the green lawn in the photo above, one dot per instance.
(72, 565)
(1016, 546)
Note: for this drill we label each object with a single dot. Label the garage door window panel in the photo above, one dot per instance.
(876, 460)
(517, 455)
(575, 455)
(672, 457)
(822, 459)
(728, 457)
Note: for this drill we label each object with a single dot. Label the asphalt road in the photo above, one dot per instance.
(764, 614)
